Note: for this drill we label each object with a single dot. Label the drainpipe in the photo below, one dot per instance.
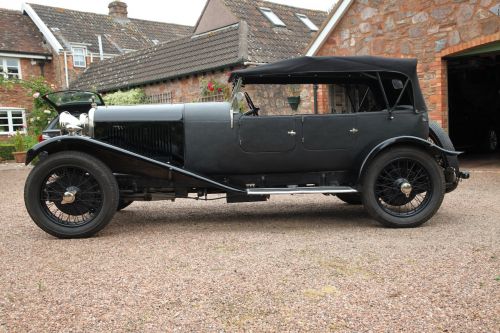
(101, 52)
(66, 69)
(315, 88)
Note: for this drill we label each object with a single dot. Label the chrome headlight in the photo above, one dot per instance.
(71, 125)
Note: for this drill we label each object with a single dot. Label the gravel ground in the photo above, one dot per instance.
(302, 263)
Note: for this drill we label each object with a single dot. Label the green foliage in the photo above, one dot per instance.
(6, 151)
(42, 113)
(212, 88)
(17, 140)
(130, 97)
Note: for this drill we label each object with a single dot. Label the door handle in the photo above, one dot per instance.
(354, 130)
(292, 133)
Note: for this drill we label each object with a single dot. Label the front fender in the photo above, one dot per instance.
(409, 140)
(119, 160)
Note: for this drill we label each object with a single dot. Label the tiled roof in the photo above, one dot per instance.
(71, 26)
(165, 61)
(268, 43)
(254, 39)
(19, 34)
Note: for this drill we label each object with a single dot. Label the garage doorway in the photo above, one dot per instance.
(474, 99)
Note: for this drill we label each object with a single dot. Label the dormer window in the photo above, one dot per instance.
(269, 14)
(307, 22)
(79, 57)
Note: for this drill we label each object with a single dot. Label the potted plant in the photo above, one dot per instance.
(20, 147)
(294, 96)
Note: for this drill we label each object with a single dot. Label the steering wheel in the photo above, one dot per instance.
(254, 111)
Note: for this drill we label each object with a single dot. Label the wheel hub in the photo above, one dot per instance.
(406, 188)
(69, 196)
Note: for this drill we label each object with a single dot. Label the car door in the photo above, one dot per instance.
(269, 134)
(329, 132)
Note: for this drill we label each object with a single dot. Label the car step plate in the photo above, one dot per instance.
(301, 190)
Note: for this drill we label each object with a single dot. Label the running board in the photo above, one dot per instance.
(301, 190)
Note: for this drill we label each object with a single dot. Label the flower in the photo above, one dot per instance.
(210, 86)
(219, 90)
(36, 95)
(47, 112)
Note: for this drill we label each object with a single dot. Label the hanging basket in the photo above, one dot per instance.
(294, 102)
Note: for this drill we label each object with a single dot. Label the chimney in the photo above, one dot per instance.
(118, 10)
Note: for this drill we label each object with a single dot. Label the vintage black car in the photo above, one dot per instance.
(379, 149)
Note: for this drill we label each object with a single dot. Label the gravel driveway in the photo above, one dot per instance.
(302, 263)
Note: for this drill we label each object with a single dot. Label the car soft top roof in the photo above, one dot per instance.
(304, 70)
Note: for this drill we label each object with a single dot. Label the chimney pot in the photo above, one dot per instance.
(118, 9)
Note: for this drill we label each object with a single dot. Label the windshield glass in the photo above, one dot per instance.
(74, 97)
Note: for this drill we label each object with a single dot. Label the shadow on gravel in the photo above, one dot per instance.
(136, 219)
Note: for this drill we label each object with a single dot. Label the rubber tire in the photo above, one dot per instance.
(441, 139)
(350, 198)
(123, 204)
(98, 169)
(374, 169)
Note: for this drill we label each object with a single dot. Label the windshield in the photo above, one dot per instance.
(73, 97)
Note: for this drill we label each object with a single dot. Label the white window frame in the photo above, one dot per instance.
(84, 51)
(4, 67)
(10, 121)
(307, 21)
(271, 16)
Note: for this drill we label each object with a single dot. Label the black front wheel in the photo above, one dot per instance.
(71, 195)
(403, 187)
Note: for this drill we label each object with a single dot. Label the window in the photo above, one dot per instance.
(352, 98)
(79, 57)
(307, 22)
(272, 17)
(165, 98)
(10, 68)
(12, 120)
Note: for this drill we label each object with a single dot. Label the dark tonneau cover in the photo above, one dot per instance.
(320, 69)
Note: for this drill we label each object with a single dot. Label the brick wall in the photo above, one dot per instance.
(426, 29)
(17, 96)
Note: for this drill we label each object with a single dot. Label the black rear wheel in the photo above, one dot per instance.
(71, 195)
(403, 187)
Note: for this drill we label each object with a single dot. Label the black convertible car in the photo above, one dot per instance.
(378, 149)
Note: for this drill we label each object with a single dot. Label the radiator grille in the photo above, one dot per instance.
(160, 141)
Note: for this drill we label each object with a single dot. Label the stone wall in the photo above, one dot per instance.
(426, 29)
(272, 99)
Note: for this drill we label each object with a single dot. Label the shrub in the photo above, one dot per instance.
(6, 151)
(130, 97)
(18, 142)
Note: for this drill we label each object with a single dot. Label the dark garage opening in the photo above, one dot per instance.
(474, 99)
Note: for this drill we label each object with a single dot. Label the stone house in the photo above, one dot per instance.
(457, 44)
(229, 34)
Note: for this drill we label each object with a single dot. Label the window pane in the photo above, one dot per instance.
(308, 22)
(79, 57)
(3, 114)
(12, 63)
(17, 121)
(4, 129)
(17, 113)
(271, 16)
(19, 128)
(4, 121)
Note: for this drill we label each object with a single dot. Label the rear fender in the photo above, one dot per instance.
(123, 161)
(406, 140)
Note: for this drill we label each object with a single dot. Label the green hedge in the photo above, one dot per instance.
(6, 151)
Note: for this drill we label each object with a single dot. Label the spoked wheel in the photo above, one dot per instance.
(403, 187)
(71, 195)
